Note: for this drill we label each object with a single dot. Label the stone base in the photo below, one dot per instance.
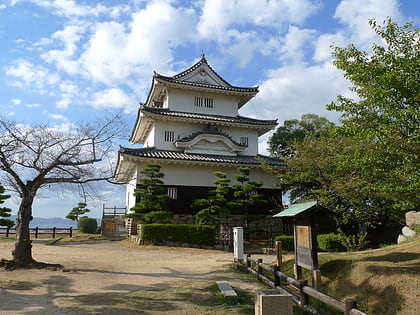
(273, 302)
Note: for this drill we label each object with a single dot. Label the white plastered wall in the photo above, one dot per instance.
(183, 100)
(130, 199)
(195, 175)
(181, 130)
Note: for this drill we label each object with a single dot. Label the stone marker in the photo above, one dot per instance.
(273, 302)
(226, 289)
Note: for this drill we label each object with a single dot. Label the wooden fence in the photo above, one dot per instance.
(300, 290)
(40, 231)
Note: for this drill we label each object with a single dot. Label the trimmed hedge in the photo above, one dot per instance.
(287, 242)
(330, 243)
(87, 225)
(194, 234)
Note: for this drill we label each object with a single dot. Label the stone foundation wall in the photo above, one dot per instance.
(264, 228)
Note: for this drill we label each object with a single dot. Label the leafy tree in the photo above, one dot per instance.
(151, 195)
(5, 212)
(294, 131)
(36, 156)
(245, 193)
(216, 203)
(333, 170)
(386, 115)
(76, 212)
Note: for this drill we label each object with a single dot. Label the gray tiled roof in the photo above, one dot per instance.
(210, 130)
(154, 153)
(203, 60)
(230, 119)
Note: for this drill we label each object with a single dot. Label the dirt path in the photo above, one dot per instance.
(105, 277)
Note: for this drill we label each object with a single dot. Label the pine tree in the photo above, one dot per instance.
(216, 203)
(76, 212)
(5, 212)
(151, 195)
(245, 193)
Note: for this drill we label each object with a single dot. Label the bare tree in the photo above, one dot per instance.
(36, 156)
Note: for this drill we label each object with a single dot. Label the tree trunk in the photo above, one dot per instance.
(22, 254)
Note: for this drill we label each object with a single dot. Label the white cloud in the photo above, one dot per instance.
(16, 101)
(323, 45)
(59, 117)
(71, 9)
(34, 105)
(356, 13)
(294, 90)
(113, 98)
(295, 41)
(118, 53)
(63, 103)
(69, 37)
(29, 74)
(220, 15)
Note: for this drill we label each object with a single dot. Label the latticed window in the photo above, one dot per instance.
(169, 136)
(206, 102)
(172, 192)
(244, 141)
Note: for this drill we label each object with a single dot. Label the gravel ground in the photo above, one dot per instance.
(103, 277)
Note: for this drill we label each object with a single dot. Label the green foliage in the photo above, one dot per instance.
(330, 242)
(216, 203)
(245, 193)
(385, 117)
(157, 217)
(355, 242)
(152, 194)
(417, 229)
(5, 212)
(367, 169)
(287, 242)
(76, 212)
(87, 225)
(183, 233)
(294, 131)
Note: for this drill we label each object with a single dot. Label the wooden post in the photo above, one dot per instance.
(350, 304)
(304, 298)
(248, 260)
(53, 232)
(276, 277)
(279, 253)
(71, 232)
(36, 232)
(259, 268)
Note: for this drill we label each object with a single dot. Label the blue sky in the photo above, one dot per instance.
(63, 61)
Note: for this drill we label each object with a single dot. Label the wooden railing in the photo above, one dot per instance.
(300, 290)
(40, 231)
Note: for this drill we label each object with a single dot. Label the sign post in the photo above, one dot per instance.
(238, 243)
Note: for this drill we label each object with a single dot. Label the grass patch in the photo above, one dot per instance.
(243, 303)
(185, 297)
(7, 239)
(383, 281)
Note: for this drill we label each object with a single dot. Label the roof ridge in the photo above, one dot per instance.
(167, 111)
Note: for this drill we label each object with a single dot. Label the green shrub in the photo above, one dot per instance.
(87, 225)
(196, 234)
(287, 242)
(417, 229)
(330, 242)
(355, 242)
(156, 217)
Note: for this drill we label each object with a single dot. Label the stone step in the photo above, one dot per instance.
(226, 289)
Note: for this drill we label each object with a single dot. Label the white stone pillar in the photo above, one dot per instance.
(238, 243)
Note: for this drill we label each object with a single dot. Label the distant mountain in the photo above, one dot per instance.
(50, 222)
